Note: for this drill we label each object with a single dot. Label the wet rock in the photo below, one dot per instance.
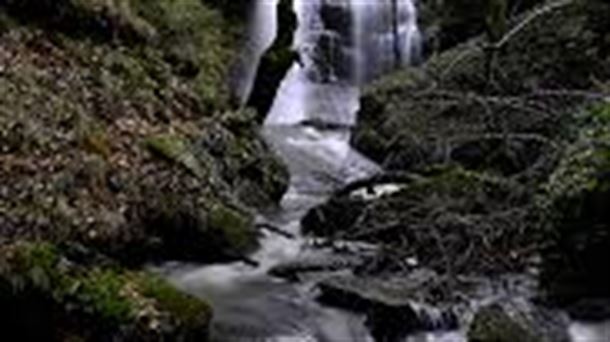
(518, 320)
(183, 232)
(322, 264)
(275, 62)
(390, 304)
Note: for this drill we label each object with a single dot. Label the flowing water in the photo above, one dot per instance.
(341, 45)
(262, 31)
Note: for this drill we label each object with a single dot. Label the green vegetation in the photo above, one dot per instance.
(110, 302)
(574, 204)
(233, 227)
(109, 129)
(177, 150)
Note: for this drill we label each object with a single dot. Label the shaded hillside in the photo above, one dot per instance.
(117, 141)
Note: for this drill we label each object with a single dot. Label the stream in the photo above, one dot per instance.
(308, 127)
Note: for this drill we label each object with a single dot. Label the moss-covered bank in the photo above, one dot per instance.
(46, 296)
(117, 139)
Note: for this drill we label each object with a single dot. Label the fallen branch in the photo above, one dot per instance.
(529, 19)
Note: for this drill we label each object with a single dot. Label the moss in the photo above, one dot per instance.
(182, 306)
(178, 150)
(235, 228)
(195, 40)
(103, 302)
(92, 18)
(101, 291)
(492, 323)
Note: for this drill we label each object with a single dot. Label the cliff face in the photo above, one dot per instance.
(116, 134)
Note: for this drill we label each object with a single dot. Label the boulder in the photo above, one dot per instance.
(518, 320)
(394, 306)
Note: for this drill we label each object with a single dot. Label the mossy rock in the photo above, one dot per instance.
(180, 230)
(98, 303)
(517, 320)
(178, 150)
(235, 229)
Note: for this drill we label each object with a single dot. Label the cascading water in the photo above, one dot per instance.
(340, 44)
(262, 31)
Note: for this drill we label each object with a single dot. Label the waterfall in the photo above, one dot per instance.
(357, 40)
(386, 36)
(341, 44)
(262, 31)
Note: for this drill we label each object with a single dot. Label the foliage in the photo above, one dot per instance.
(574, 207)
(109, 302)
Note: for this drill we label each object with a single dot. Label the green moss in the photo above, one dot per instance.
(176, 149)
(235, 227)
(101, 291)
(495, 324)
(182, 306)
(195, 40)
(110, 298)
(585, 164)
(600, 115)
